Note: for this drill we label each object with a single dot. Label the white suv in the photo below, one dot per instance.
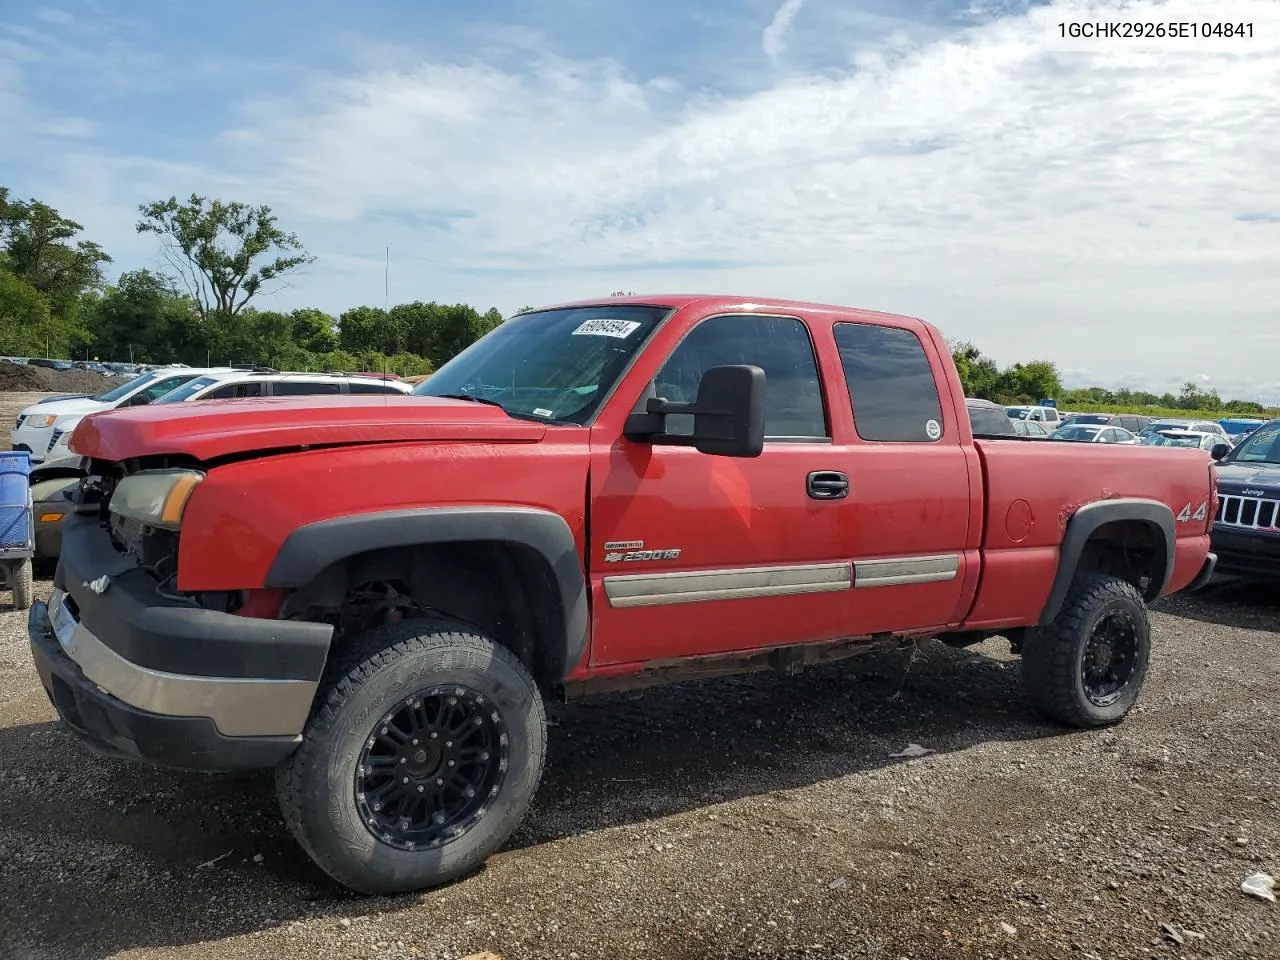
(231, 384)
(40, 425)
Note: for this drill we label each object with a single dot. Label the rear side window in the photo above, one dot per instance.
(234, 391)
(372, 388)
(298, 388)
(793, 402)
(891, 385)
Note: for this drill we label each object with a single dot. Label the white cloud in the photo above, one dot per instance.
(1112, 211)
(55, 16)
(69, 127)
(774, 38)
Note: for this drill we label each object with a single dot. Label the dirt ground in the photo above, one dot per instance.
(749, 817)
(24, 377)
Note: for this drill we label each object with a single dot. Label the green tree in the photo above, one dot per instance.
(224, 254)
(24, 317)
(40, 247)
(1031, 382)
(266, 337)
(1191, 397)
(315, 331)
(978, 372)
(1244, 407)
(367, 328)
(144, 318)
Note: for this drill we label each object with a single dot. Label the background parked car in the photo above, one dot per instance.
(1133, 422)
(989, 419)
(1049, 415)
(1193, 439)
(238, 384)
(1246, 530)
(40, 426)
(1239, 428)
(1094, 433)
(1033, 429)
(1203, 426)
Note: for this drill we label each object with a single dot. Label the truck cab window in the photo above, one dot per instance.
(793, 401)
(891, 385)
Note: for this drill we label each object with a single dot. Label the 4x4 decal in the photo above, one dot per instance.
(1186, 516)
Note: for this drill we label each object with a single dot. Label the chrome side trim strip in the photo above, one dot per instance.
(888, 572)
(238, 707)
(652, 589)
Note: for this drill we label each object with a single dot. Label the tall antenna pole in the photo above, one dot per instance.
(386, 280)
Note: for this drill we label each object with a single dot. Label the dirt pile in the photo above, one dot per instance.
(24, 377)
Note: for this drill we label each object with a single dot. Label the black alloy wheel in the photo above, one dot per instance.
(430, 766)
(1110, 655)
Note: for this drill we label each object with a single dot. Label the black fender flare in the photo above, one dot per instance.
(1086, 521)
(313, 547)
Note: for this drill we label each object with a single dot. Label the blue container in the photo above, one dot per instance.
(15, 500)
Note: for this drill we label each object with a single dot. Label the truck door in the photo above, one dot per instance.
(910, 534)
(696, 554)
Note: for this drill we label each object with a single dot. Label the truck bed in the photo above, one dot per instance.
(1031, 490)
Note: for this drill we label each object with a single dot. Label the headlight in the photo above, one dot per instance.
(155, 497)
(40, 422)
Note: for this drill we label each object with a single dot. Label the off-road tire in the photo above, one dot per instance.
(1053, 656)
(20, 582)
(316, 785)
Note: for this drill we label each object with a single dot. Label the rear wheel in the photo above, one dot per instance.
(1087, 667)
(421, 760)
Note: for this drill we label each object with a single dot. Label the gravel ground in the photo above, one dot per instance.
(756, 816)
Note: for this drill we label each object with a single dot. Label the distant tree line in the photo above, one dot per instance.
(1032, 382)
(220, 256)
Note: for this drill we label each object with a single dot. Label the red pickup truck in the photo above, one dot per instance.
(374, 595)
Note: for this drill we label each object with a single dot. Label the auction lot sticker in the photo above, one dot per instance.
(602, 327)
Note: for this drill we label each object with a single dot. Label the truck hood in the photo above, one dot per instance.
(64, 406)
(1254, 476)
(210, 429)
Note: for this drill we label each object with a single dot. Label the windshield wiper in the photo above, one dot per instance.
(469, 396)
(532, 417)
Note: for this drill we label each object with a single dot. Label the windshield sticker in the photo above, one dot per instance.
(933, 429)
(542, 412)
(601, 327)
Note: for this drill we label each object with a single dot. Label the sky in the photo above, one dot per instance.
(1109, 205)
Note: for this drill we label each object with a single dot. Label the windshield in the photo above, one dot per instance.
(186, 390)
(548, 365)
(1262, 447)
(1074, 433)
(126, 388)
(1085, 418)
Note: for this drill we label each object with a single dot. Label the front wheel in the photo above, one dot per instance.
(20, 581)
(419, 763)
(1086, 668)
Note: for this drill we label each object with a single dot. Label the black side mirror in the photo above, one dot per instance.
(1219, 450)
(728, 416)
